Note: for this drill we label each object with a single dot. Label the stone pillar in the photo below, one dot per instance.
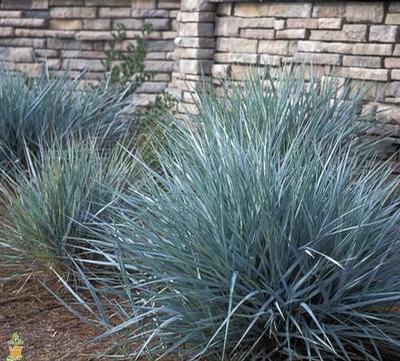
(195, 47)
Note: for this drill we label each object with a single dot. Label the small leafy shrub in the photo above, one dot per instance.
(127, 66)
(270, 234)
(35, 112)
(48, 210)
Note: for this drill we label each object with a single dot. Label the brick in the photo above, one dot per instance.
(10, 14)
(291, 34)
(362, 61)
(302, 23)
(395, 74)
(44, 33)
(393, 19)
(370, 12)
(107, 12)
(372, 49)
(97, 24)
(317, 58)
(84, 64)
(82, 54)
(257, 33)
(73, 12)
(279, 24)
(392, 63)
(279, 47)
(88, 35)
(159, 24)
(238, 44)
(66, 24)
(393, 89)
(369, 74)
(23, 23)
(302, 10)
(6, 32)
(132, 24)
(383, 33)
(236, 58)
(330, 23)
(329, 9)
(65, 44)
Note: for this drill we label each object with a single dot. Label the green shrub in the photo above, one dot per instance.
(47, 211)
(270, 235)
(36, 111)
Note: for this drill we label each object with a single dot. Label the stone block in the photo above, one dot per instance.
(194, 66)
(97, 24)
(278, 47)
(237, 45)
(79, 12)
(6, 32)
(330, 23)
(362, 61)
(107, 12)
(236, 58)
(383, 33)
(84, 64)
(159, 24)
(365, 11)
(257, 33)
(369, 74)
(372, 49)
(318, 58)
(393, 19)
(87, 35)
(291, 34)
(66, 24)
(196, 5)
(302, 23)
(392, 63)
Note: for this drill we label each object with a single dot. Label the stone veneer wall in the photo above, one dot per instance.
(73, 34)
(346, 39)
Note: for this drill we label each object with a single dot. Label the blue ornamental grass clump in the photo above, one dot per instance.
(269, 234)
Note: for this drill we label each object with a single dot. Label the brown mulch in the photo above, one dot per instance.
(49, 330)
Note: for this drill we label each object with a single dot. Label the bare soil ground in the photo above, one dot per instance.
(50, 332)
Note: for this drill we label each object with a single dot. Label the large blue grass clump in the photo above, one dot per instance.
(271, 234)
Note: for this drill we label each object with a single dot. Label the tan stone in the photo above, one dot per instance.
(97, 24)
(392, 63)
(88, 35)
(278, 47)
(196, 29)
(369, 74)
(107, 12)
(291, 34)
(236, 58)
(296, 10)
(6, 32)
(237, 45)
(330, 23)
(257, 33)
(318, 58)
(301, 23)
(393, 19)
(66, 24)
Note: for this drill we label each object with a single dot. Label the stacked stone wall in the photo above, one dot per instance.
(73, 34)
